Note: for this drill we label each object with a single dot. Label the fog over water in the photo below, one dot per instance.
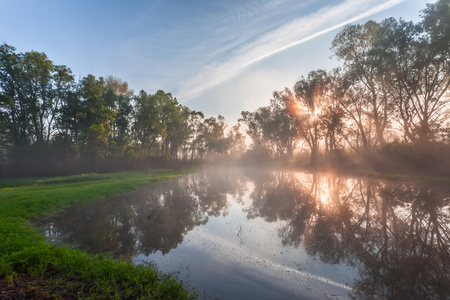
(247, 233)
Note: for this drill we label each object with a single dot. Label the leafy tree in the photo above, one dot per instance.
(36, 88)
(281, 128)
(70, 117)
(354, 105)
(333, 114)
(174, 122)
(273, 129)
(33, 90)
(418, 72)
(436, 23)
(237, 141)
(357, 46)
(118, 98)
(161, 123)
(64, 90)
(312, 97)
(97, 118)
(146, 126)
(212, 138)
(5, 136)
(254, 122)
(14, 104)
(195, 123)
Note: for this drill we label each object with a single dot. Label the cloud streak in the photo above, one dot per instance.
(282, 38)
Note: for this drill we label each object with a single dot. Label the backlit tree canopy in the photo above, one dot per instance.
(393, 86)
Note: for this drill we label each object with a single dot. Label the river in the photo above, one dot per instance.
(249, 233)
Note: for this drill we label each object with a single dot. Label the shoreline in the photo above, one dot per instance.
(32, 267)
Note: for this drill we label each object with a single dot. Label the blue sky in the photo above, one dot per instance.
(219, 57)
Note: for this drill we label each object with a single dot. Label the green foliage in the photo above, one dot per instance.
(400, 75)
(23, 251)
(35, 88)
(50, 124)
(393, 85)
(274, 129)
(436, 22)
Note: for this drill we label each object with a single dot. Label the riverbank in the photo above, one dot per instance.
(439, 181)
(31, 267)
(429, 164)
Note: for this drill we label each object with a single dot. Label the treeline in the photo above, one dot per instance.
(52, 124)
(388, 102)
(390, 96)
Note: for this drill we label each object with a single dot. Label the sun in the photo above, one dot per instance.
(317, 112)
(324, 198)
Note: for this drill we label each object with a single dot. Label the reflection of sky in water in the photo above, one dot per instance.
(261, 234)
(248, 259)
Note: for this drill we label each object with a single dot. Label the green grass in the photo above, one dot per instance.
(25, 254)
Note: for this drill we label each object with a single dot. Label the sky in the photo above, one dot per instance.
(215, 56)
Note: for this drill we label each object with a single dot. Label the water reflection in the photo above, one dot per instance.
(395, 235)
(152, 219)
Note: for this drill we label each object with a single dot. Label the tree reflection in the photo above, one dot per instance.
(397, 233)
(409, 257)
(278, 196)
(149, 220)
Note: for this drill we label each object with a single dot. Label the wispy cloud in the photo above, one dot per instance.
(284, 37)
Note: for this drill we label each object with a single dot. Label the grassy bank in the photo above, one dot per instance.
(32, 266)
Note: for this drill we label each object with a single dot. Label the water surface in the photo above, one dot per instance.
(243, 233)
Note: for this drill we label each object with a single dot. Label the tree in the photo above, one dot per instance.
(37, 85)
(5, 136)
(352, 101)
(14, 106)
(70, 117)
(174, 120)
(273, 129)
(436, 23)
(160, 123)
(195, 123)
(357, 46)
(146, 126)
(212, 137)
(333, 114)
(64, 90)
(254, 122)
(97, 118)
(32, 89)
(281, 128)
(118, 98)
(237, 141)
(309, 104)
(418, 73)
(36, 88)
